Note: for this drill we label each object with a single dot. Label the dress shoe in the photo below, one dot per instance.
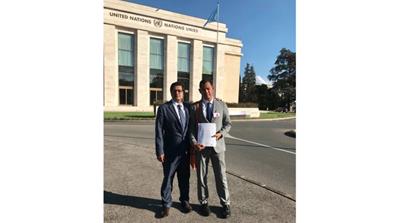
(186, 207)
(205, 210)
(164, 212)
(226, 211)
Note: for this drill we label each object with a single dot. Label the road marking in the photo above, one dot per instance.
(259, 144)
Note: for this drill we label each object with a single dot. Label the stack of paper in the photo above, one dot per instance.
(205, 133)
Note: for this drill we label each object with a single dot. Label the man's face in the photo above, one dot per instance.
(207, 91)
(177, 93)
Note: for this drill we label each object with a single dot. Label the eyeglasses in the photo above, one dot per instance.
(179, 91)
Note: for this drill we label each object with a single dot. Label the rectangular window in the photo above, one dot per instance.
(184, 66)
(208, 63)
(156, 70)
(126, 68)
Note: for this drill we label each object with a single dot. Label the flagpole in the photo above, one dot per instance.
(217, 48)
(217, 21)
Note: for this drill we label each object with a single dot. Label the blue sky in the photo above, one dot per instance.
(263, 26)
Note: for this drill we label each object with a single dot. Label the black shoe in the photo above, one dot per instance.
(205, 210)
(164, 212)
(226, 211)
(186, 208)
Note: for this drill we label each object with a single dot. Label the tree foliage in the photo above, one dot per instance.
(267, 98)
(283, 77)
(247, 87)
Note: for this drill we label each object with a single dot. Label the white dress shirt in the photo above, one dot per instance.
(205, 104)
(176, 108)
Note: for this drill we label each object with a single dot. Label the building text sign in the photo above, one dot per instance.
(150, 21)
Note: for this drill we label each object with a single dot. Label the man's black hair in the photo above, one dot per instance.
(177, 83)
(203, 82)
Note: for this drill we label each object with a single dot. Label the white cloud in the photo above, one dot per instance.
(260, 80)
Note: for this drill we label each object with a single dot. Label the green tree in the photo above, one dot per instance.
(248, 85)
(267, 98)
(283, 77)
(262, 95)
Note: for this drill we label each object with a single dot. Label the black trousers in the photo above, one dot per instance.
(179, 164)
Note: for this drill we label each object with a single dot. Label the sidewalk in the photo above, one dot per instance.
(132, 180)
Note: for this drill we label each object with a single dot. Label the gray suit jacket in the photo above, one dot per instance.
(171, 139)
(220, 118)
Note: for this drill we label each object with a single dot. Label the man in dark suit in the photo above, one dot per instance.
(211, 110)
(172, 147)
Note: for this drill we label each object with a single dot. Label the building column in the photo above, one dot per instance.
(110, 63)
(142, 75)
(220, 71)
(196, 70)
(171, 65)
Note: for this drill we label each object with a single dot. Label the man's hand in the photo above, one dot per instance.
(199, 147)
(161, 158)
(217, 135)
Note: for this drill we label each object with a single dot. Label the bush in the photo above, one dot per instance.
(281, 109)
(242, 105)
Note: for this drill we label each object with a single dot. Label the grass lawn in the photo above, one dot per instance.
(128, 115)
(270, 115)
(150, 115)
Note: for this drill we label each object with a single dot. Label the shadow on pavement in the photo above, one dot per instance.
(150, 204)
(291, 134)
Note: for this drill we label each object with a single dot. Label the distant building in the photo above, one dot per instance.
(146, 49)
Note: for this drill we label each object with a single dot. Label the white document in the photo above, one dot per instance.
(204, 133)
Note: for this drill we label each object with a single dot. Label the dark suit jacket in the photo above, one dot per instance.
(171, 139)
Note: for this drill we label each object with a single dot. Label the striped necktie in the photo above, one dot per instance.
(181, 117)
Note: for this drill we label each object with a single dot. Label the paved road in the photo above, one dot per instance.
(132, 179)
(271, 167)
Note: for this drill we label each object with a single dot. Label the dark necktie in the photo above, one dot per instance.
(209, 111)
(181, 117)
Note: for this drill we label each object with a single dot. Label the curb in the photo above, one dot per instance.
(285, 195)
(233, 120)
(130, 120)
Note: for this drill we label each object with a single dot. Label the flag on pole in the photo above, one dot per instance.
(213, 17)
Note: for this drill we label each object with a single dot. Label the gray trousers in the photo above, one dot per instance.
(218, 164)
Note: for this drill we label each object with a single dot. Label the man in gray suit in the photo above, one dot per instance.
(172, 147)
(210, 110)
